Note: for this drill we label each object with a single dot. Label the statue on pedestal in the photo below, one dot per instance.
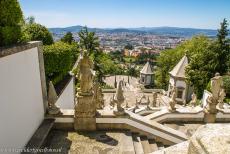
(86, 75)
(216, 97)
(52, 99)
(85, 107)
(194, 100)
(119, 99)
(172, 101)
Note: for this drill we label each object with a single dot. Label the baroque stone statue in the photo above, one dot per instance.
(172, 101)
(86, 75)
(85, 107)
(194, 100)
(217, 96)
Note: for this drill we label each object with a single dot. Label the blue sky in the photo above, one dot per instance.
(128, 13)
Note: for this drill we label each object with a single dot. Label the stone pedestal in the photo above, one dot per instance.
(85, 124)
(85, 113)
(209, 117)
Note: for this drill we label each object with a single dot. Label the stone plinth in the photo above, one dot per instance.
(211, 139)
(209, 117)
(85, 113)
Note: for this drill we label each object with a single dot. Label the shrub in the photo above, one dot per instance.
(59, 59)
(37, 32)
(11, 19)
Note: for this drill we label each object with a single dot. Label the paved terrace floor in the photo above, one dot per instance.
(131, 90)
(86, 142)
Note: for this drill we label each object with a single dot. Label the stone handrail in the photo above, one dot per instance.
(156, 129)
(167, 116)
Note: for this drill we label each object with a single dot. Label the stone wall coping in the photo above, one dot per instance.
(6, 51)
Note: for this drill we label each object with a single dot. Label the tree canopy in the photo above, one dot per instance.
(59, 59)
(88, 41)
(206, 57)
(11, 18)
(37, 32)
(68, 38)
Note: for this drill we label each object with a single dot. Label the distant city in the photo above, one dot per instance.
(144, 39)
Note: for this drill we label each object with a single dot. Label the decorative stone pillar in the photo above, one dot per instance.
(85, 107)
(119, 99)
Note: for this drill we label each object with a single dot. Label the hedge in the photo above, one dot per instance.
(59, 59)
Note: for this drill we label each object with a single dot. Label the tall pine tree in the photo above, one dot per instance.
(223, 47)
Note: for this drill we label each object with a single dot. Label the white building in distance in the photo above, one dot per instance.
(177, 79)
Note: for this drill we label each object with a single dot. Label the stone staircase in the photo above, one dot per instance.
(142, 144)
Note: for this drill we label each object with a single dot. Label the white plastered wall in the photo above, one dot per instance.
(66, 99)
(21, 110)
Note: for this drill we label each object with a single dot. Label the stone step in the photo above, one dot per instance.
(153, 145)
(160, 145)
(40, 134)
(137, 144)
(145, 144)
(127, 143)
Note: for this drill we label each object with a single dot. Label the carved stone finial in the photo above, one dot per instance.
(52, 99)
(172, 101)
(119, 99)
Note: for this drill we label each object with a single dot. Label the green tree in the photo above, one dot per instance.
(11, 19)
(167, 59)
(201, 68)
(223, 47)
(226, 80)
(89, 41)
(59, 59)
(68, 38)
(30, 20)
(37, 32)
(129, 47)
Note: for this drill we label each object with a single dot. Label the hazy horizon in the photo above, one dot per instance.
(200, 14)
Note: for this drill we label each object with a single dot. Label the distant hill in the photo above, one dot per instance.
(164, 31)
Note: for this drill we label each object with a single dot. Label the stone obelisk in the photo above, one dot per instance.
(85, 107)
